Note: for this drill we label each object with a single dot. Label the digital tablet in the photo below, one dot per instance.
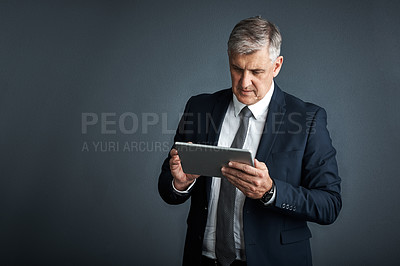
(208, 160)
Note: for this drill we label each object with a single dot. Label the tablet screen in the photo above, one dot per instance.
(208, 160)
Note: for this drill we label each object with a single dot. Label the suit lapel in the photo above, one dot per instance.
(275, 116)
(215, 125)
(217, 117)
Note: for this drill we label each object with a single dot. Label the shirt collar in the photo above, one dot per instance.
(259, 107)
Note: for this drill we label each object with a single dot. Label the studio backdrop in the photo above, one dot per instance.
(91, 93)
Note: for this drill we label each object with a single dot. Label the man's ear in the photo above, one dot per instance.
(277, 65)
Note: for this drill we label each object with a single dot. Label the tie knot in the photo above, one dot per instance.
(246, 112)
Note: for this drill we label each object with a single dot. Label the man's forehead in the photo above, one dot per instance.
(257, 59)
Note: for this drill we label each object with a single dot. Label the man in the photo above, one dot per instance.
(294, 178)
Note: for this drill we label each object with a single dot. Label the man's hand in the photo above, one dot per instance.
(181, 180)
(254, 182)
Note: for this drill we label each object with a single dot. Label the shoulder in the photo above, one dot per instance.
(205, 101)
(303, 112)
(294, 104)
(205, 97)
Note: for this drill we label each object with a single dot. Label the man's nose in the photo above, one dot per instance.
(245, 81)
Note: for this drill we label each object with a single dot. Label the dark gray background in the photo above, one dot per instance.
(61, 205)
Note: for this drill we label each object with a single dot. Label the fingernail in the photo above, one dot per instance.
(230, 164)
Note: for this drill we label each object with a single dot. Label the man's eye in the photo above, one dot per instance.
(257, 72)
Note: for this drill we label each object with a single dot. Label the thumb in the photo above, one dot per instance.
(260, 165)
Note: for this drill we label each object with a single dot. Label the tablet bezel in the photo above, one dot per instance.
(207, 160)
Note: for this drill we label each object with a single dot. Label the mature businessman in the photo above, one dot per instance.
(255, 215)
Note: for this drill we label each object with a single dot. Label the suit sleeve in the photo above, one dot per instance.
(184, 133)
(317, 199)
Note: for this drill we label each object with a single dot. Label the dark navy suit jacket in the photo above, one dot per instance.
(297, 149)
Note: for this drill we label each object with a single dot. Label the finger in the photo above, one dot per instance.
(231, 178)
(238, 174)
(173, 152)
(175, 161)
(244, 168)
(252, 190)
(237, 182)
(174, 166)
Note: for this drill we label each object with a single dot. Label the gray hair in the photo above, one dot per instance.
(252, 34)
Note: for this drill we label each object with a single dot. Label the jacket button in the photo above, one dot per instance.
(283, 205)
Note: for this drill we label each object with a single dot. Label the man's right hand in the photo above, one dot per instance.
(181, 180)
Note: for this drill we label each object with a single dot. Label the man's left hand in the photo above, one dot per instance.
(254, 182)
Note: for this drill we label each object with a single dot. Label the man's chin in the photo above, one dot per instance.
(247, 100)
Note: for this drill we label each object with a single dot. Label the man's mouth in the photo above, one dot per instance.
(248, 92)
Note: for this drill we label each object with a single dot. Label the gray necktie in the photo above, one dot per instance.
(225, 242)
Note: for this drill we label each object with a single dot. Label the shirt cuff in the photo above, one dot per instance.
(180, 192)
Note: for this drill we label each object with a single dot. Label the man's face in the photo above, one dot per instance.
(252, 75)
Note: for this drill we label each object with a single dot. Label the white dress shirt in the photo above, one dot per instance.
(229, 128)
(228, 131)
